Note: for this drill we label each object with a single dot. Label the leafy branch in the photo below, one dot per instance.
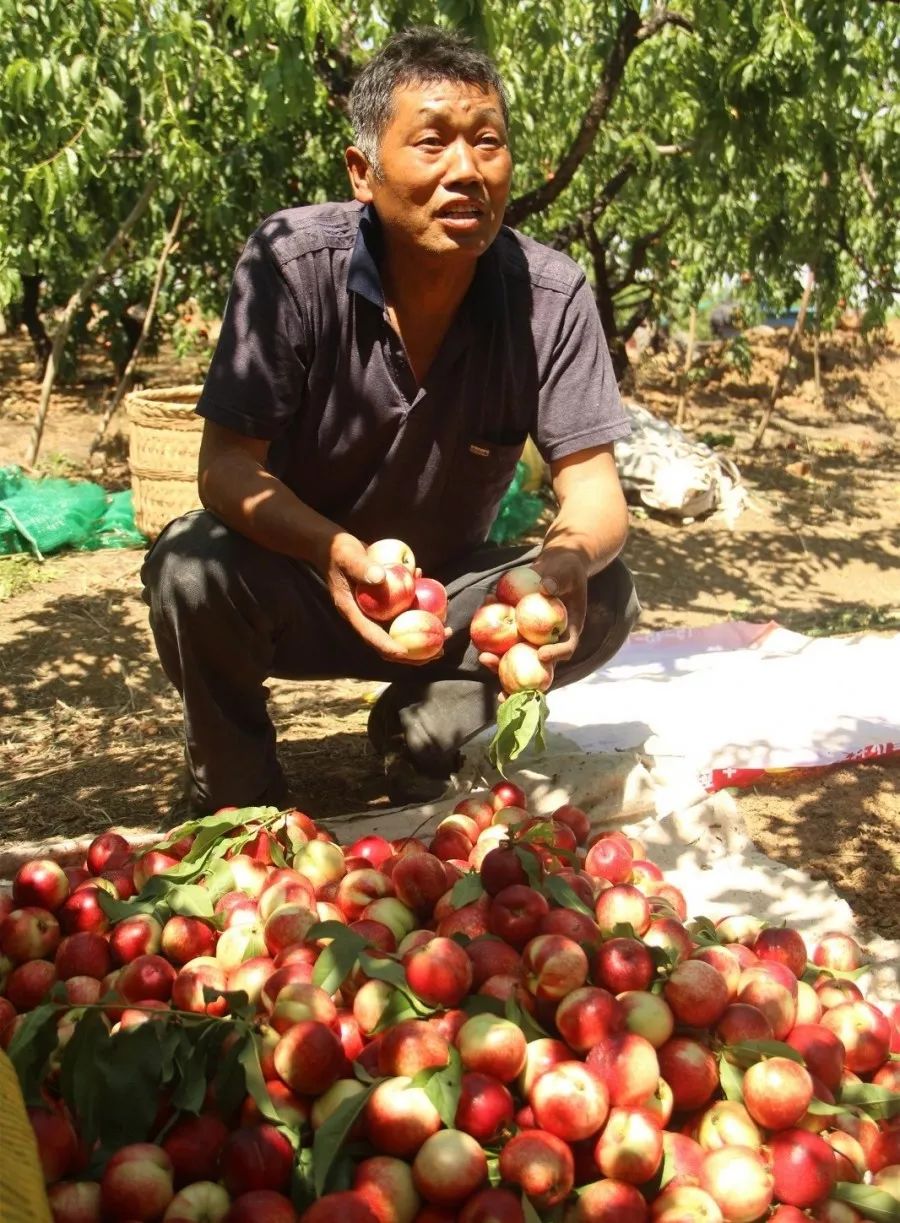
(628, 37)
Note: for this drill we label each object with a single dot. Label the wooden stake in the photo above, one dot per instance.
(74, 304)
(778, 382)
(128, 374)
(681, 408)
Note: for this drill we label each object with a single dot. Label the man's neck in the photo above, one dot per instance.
(422, 288)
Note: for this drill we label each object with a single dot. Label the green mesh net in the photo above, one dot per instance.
(518, 511)
(45, 516)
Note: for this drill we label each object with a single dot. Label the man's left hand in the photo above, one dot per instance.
(565, 575)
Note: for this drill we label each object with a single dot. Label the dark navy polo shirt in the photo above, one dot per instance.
(308, 360)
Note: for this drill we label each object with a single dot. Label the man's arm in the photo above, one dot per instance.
(236, 487)
(587, 533)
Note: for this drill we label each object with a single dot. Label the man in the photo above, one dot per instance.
(380, 365)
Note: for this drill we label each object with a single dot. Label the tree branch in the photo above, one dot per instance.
(128, 374)
(883, 286)
(74, 304)
(564, 237)
(778, 382)
(639, 248)
(638, 316)
(866, 179)
(660, 19)
(624, 43)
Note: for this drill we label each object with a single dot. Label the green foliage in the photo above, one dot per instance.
(871, 1202)
(742, 139)
(520, 722)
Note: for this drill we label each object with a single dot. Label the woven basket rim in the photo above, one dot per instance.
(174, 409)
(163, 394)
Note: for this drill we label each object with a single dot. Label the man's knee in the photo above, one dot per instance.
(612, 612)
(185, 564)
(613, 594)
(199, 565)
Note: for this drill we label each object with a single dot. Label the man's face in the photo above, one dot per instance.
(445, 169)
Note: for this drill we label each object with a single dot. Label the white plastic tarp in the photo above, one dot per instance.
(730, 700)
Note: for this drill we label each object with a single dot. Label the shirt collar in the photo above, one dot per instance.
(363, 276)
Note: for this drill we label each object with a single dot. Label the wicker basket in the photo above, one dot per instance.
(163, 449)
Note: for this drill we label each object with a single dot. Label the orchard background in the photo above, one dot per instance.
(685, 154)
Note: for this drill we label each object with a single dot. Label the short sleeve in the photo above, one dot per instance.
(255, 380)
(578, 399)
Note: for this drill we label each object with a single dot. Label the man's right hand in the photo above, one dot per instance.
(235, 485)
(347, 565)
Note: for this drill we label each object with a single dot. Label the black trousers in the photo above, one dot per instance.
(228, 614)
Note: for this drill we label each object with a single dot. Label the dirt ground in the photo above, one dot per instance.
(91, 731)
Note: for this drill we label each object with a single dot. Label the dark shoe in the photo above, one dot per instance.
(406, 784)
(192, 805)
(384, 727)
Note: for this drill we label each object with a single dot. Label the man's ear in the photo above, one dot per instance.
(360, 174)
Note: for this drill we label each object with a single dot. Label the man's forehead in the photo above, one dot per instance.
(417, 99)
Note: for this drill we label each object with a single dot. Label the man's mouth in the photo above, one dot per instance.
(462, 211)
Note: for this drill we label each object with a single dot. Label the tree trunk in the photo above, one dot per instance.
(778, 382)
(74, 304)
(681, 407)
(624, 42)
(31, 295)
(128, 374)
(603, 296)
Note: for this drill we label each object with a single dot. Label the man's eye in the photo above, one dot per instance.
(431, 141)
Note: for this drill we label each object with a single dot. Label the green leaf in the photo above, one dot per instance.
(516, 1013)
(813, 972)
(128, 1082)
(520, 719)
(442, 1086)
(76, 1075)
(731, 1080)
(872, 1203)
(820, 1108)
(118, 910)
(531, 866)
(190, 1074)
(879, 1102)
(703, 931)
(208, 829)
(230, 1078)
(190, 900)
(483, 1004)
(256, 1084)
(379, 969)
(622, 929)
(466, 889)
(565, 896)
(218, 880)
(325, 930)
(331, 1136)
(303, 1189)
(746, 1052)
(338, 959)
(529, 1214)
(31, 1047)
(397, 1010)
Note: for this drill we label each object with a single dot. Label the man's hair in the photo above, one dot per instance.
(414, 57)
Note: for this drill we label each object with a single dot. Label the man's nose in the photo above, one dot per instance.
(463, 165)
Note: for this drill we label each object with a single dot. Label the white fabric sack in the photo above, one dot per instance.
(665, 470)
